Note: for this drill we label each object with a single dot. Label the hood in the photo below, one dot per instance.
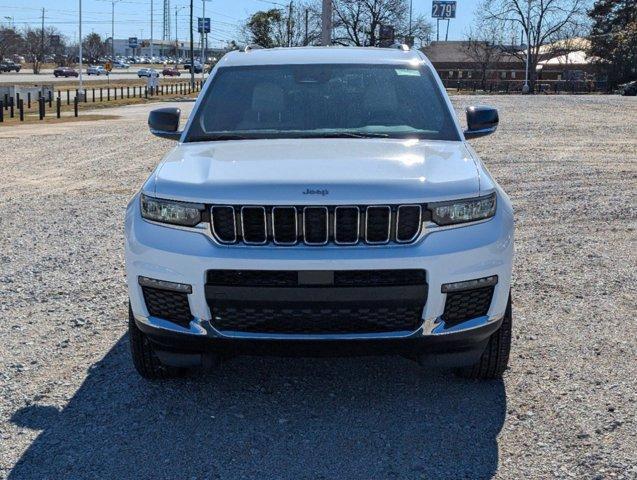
(316, 171)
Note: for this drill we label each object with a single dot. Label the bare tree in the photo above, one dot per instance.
(38, 43)
(484, 47)
(358, 22)
(546, 22)
(10, 42)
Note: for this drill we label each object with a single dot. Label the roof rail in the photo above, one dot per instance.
(400, 46)
(252, 47)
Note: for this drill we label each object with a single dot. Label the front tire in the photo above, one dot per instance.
(144, 358)
(495, 359)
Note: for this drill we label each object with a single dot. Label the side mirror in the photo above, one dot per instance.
(164, 122)
(481, 121)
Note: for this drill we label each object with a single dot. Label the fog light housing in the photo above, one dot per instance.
(469, 284)
(164, 285)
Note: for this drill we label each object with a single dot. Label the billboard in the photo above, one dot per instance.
(206, 24)
(443, 9)
(132, 42)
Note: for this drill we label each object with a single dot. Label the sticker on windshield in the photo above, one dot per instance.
(407, 71)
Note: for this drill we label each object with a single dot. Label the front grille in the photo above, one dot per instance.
(317, 320)
(467, 304)
(317, 225)
(167, 304)
(342, 278)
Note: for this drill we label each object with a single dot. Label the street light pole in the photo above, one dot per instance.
(113, 2)
(177, 10)
(203, 36)
(80, 90)
(151, 30)
(192, 49)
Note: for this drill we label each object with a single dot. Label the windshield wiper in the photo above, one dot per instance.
(352, 135)
(225, 136)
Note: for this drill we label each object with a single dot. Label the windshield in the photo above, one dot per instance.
(310, 101)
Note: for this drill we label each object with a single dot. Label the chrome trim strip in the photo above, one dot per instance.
(358, 224)
(234, 223)
(388, 224)
(439, 327)
(296, 227)
(327, 225)
(398, 240)
(265, 226)
(164, 285)
(319, 336)
(195, 327)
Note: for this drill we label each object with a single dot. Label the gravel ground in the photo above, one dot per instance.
(71, 405)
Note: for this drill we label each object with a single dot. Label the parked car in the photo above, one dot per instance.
(120, 64)
(65, 72)
(197, 69)
(9, 66)
(96, 70)
(628, 89)
(144, 72)
(170, 72)
(332, 203)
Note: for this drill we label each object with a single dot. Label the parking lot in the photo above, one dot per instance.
(72, 406)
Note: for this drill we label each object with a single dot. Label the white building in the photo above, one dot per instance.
(161, 48)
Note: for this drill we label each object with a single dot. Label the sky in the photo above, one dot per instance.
(132, 17)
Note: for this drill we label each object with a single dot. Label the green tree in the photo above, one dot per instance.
(264, 28)
(614, 38)
(93, 47)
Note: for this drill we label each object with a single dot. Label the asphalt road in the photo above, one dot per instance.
(72, 406)
(25, 76)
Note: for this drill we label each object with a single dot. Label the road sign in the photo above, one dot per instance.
(108, 66)
(206, 24)
(443, 9)
(132, 42)
(386, 35)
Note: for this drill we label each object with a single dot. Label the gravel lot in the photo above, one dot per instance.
(72, 407)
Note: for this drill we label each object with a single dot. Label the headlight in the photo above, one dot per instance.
(169, 211)
(461, 211)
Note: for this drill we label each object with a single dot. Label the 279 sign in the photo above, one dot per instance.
(443, 9)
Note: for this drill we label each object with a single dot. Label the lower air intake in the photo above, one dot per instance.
(317, 320)
(467, 304)
(168, 305)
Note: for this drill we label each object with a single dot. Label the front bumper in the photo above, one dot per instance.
(446, 254)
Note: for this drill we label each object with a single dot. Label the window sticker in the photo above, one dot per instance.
(407, 72)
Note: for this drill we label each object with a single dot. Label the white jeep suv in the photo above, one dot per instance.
(321, 201)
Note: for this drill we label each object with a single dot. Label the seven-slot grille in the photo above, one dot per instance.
(316, 225)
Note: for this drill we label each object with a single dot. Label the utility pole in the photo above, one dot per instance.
(411, 8)
(306, 41)
(192, 50)
(290, 25)
(326, 23)
(526, 86)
